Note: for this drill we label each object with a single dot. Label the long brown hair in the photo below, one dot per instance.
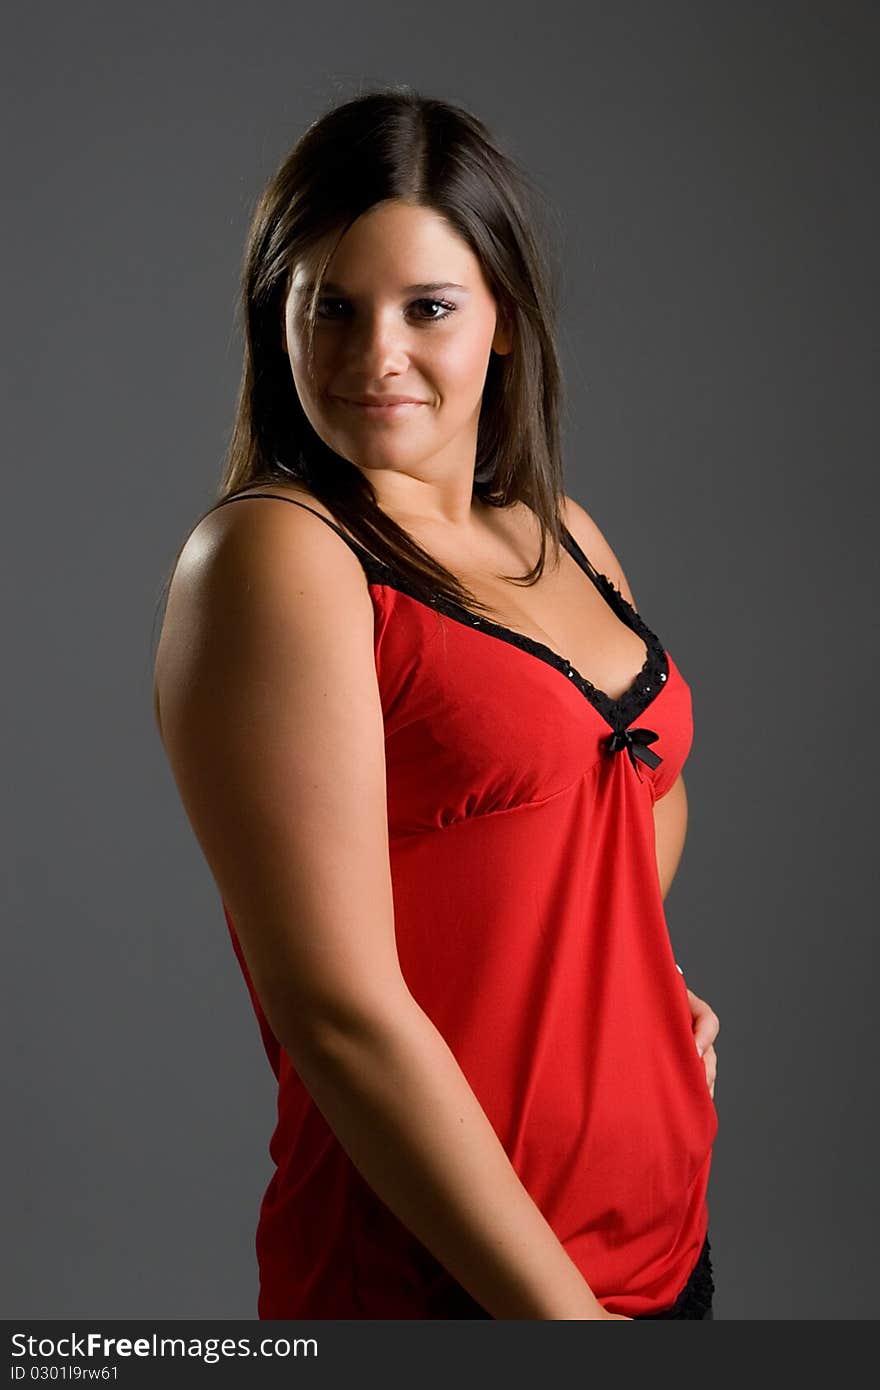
(393, 143)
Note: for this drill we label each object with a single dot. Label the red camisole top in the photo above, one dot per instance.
(530, 928)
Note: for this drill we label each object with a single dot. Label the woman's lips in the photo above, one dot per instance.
(383, 412)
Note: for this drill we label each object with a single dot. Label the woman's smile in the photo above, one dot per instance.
(383, 414)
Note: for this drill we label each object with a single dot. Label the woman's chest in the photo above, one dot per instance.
(568, 610)
(476, 723)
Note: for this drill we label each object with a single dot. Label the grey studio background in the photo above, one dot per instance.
(711, 169)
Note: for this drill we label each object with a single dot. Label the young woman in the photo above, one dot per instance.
(432, 755)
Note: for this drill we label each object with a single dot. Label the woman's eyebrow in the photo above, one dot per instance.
(427, 288)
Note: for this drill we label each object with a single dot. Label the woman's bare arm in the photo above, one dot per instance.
(272, 723)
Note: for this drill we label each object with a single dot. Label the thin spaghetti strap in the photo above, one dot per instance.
(372, 566)
(617, 600)
(586, 564)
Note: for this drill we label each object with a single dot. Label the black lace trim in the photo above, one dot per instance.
(695, 1299)
(619, 714)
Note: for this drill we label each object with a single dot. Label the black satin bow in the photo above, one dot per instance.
(635, 742)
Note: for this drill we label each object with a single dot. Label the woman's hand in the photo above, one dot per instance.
(706, 1025)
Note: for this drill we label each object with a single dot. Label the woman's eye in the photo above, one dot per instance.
(322, 307)
(443, 304)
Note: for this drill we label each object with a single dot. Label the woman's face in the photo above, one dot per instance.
(404, 311)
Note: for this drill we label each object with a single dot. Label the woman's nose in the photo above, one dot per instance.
(378, 342)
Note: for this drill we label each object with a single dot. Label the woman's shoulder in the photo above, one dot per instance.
(285, 492)
(594, 544)
(257, 517)
(252, 567)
